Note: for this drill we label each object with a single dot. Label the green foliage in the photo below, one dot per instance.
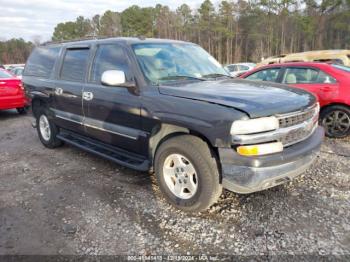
(14, 51)
(231, 30)
(137, 21)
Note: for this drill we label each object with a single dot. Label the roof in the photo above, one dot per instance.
(316, 64)
(126, 40)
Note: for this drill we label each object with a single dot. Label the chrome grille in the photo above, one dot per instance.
(307, 120)
(296, 119)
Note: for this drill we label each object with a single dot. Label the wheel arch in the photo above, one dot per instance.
(167, 131)
(37, 102)
(334, 104)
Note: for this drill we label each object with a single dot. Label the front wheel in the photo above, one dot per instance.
(47, 130)
(187, 173)
(336, 121)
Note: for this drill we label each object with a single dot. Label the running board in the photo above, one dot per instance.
(116, 155)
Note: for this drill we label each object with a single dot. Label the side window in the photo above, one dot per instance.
(243, 67)
(109, 57)
(306, 76)
(74, 65)
(231, 68)
(270, 74)
(41, 61)
(325, 78)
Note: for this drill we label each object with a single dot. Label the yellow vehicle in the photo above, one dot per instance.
(336, 56)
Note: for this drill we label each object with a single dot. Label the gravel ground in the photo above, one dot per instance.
(66, 201)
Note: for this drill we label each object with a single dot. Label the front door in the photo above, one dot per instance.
(67, 104)
(112, 114)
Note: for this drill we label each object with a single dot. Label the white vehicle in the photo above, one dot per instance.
(239, 68)
(17, 71)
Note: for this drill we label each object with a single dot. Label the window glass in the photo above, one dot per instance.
(109, 57)
(270, 74)
(4, 74)
(243, 67)
(74, 65)
(166, 62)
(325, 78)
(41, 61)
(231, 68)
(306, 76)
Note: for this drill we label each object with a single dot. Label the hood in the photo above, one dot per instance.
(257, 99)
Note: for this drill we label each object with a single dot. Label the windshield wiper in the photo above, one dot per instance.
(174, 77)
(215, 75)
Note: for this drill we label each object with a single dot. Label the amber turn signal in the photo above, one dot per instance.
(261, 149)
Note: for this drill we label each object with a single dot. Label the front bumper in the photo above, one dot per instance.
(250, 174)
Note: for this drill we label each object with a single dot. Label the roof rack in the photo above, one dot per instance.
(75, 40)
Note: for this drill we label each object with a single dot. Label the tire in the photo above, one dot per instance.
(48, 139)
(336, 121)
(200, 187)
(22, 110)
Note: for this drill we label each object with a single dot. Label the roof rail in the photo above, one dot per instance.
(75, 40)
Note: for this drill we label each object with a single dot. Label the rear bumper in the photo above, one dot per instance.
(250, 174)
(10, 102)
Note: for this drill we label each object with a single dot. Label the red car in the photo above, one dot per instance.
(11, 92)
(329, 82)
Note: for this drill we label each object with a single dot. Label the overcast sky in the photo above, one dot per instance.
(32, 18)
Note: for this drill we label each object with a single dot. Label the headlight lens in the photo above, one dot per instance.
(250, 126)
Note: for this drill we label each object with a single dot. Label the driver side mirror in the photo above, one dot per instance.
(117, 78)
(113, 78)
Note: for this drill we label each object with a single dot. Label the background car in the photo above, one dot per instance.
(17, 71)
(329, 82)
(336, 56)
(237, 69)
(12, 93)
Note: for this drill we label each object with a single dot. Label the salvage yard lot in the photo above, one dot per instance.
(66, 201)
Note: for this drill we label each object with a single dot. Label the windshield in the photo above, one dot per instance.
(173, 62)
(341, 67)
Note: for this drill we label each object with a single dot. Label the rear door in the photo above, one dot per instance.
(112, 114)
(314, 80)
(69, 87)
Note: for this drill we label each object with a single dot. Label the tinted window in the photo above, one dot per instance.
(306, 76)
(109, 57)
(74, 65)
(270, 74)
(41, 61)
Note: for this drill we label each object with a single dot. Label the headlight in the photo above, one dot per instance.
(250, 126)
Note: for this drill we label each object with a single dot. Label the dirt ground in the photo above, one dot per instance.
(66, 201)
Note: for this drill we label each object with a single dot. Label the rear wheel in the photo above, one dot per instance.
(336, 121)
(47, 130)
(187, 173)
(22, 110)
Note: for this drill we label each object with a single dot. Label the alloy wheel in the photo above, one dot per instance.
(44, 126)
(180, 176)
(337, 123)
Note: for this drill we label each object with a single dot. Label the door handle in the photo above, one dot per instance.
(58, 91)
(88, 96)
